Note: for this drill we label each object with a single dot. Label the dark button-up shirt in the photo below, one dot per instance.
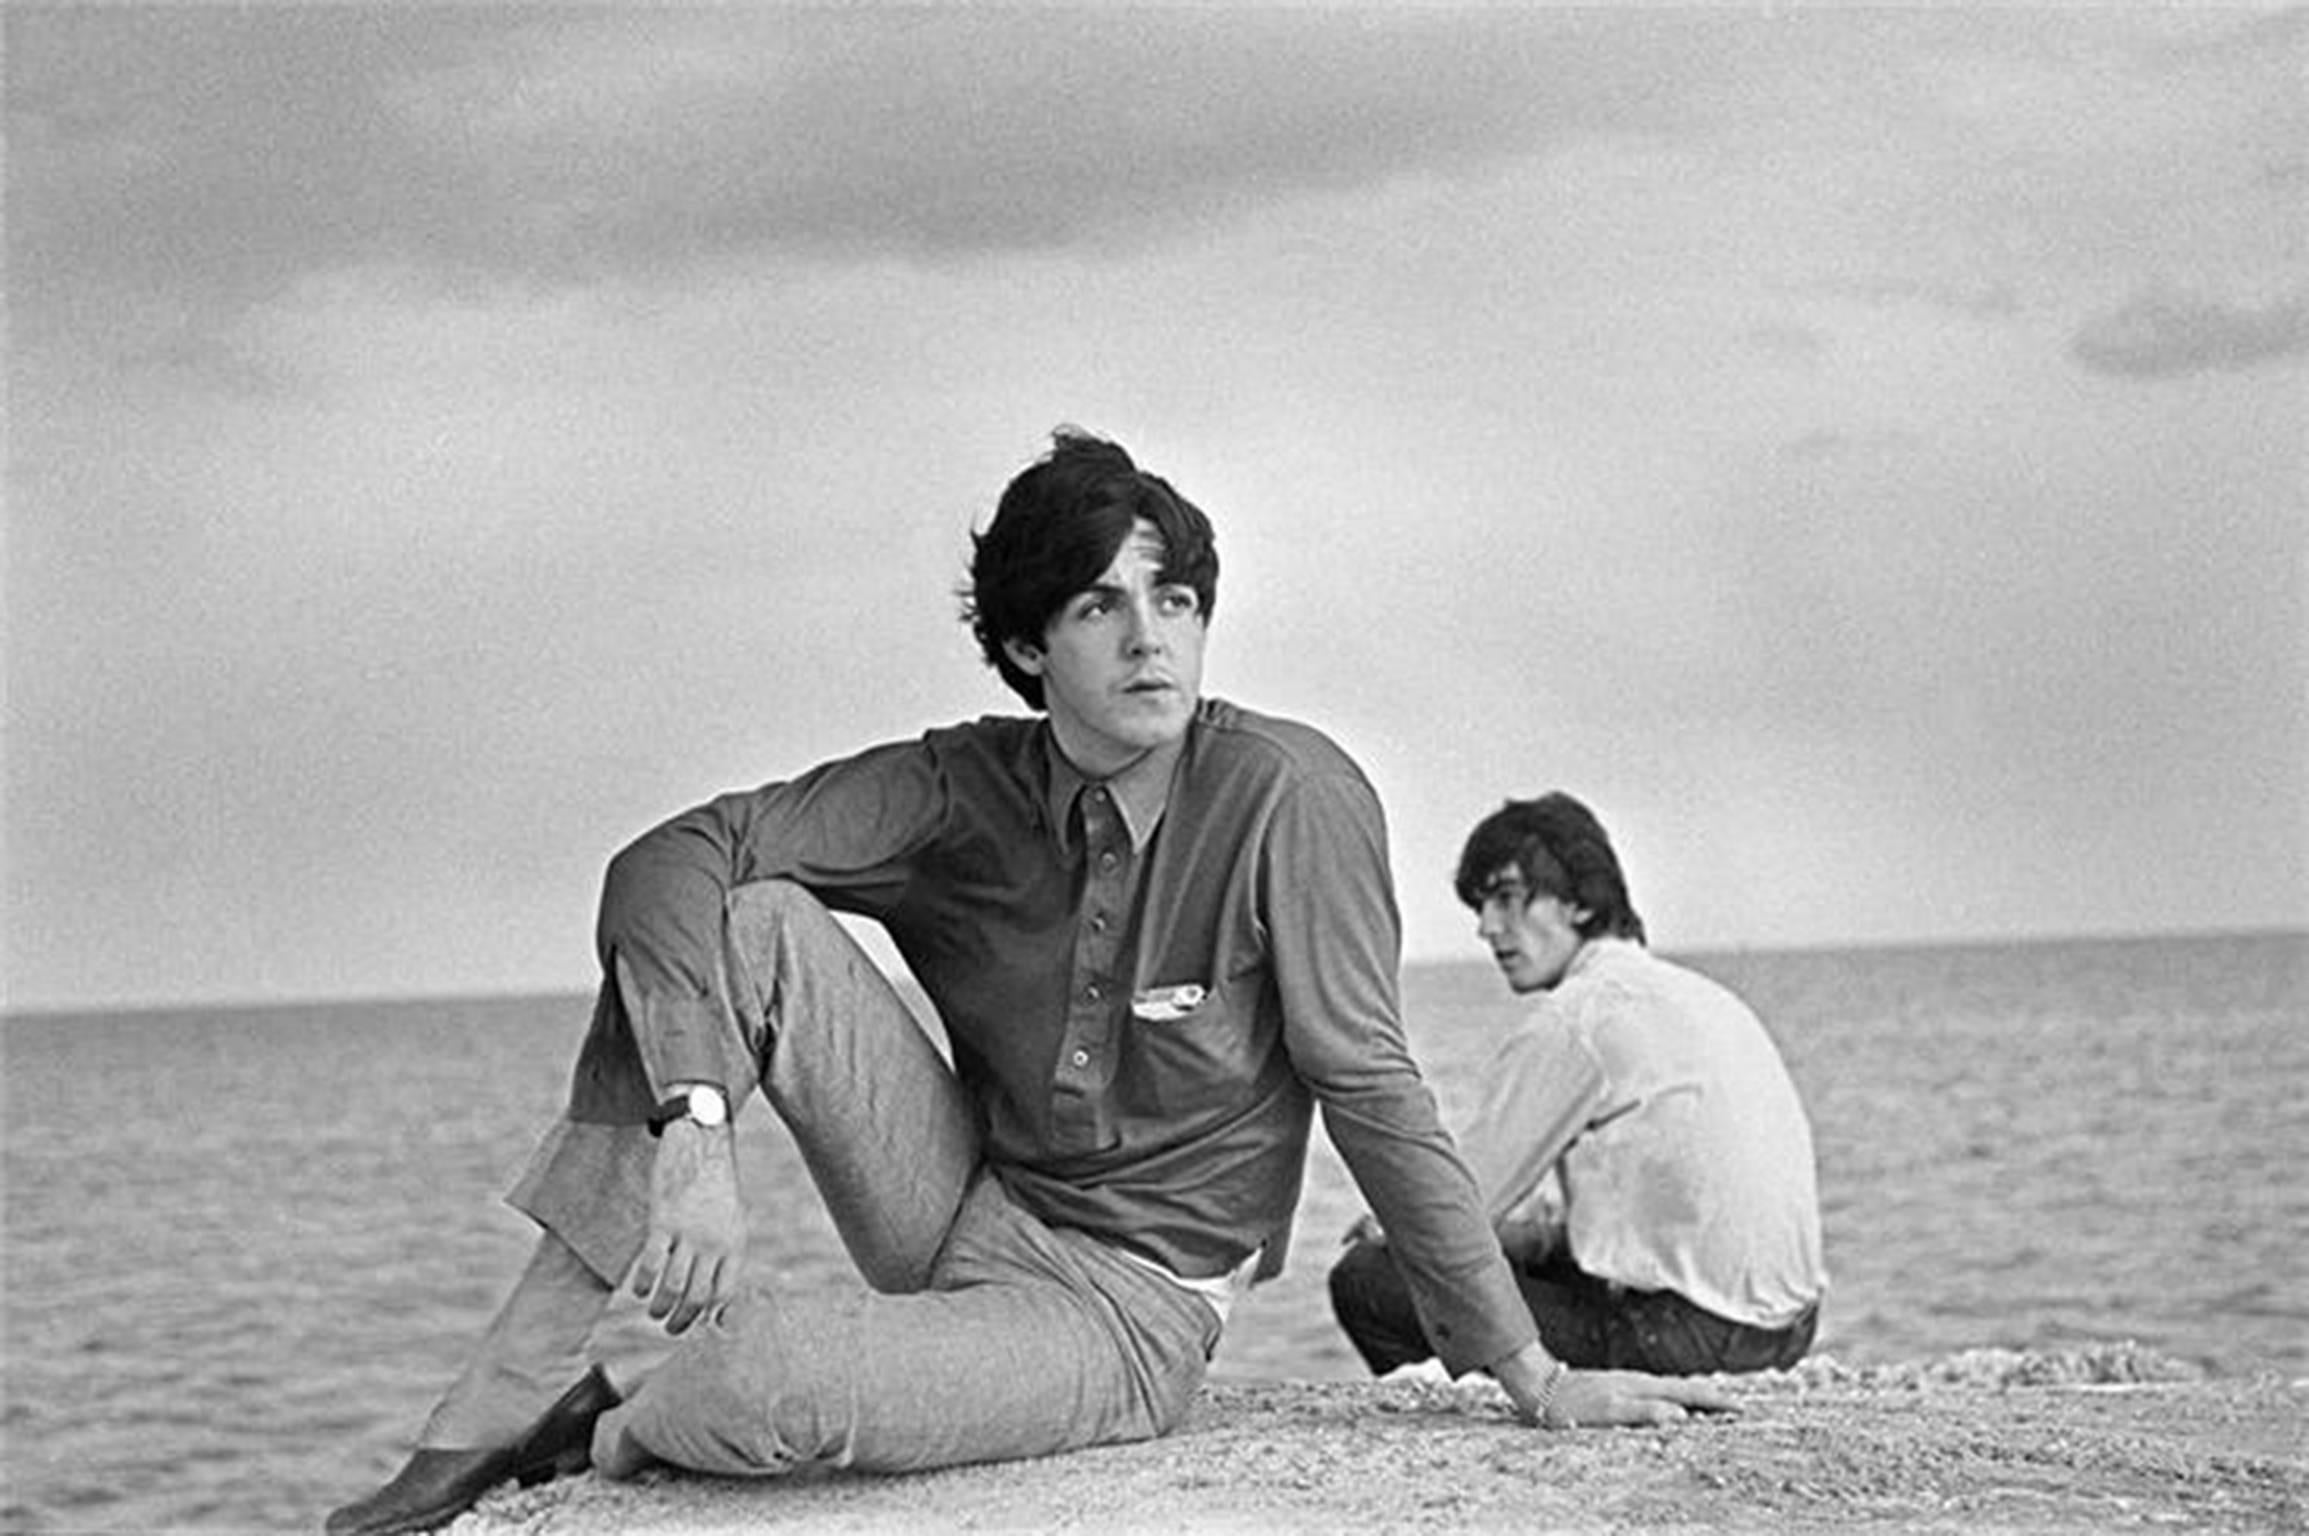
(1142, 1031)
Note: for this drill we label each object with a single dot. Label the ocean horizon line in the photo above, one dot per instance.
(61, 1012)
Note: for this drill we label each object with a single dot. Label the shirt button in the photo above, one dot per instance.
(1082, 1058)
(1106, 860)
(1091, 991)
(1098, 922)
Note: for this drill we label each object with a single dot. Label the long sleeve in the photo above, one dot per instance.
(1335, 937)
(845, 830)
(1542, 1088)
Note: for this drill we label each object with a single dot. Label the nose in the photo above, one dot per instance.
(1143, 635)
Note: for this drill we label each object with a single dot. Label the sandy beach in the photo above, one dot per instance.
(1988, 1440)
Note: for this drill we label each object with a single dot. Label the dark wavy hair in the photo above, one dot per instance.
(1057, 528)
(1561, 850)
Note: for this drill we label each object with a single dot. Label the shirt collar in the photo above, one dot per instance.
(1140, 791)
(1593, 950)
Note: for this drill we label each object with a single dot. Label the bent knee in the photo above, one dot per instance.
(774, 902)
(769, 924)
(1364, 1273)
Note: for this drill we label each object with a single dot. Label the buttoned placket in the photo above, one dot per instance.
(1085, 1054)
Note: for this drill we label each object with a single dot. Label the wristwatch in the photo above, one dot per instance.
(702, 1102)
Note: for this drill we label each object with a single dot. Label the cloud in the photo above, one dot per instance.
(1786, 341)
(2162, 333)
(1828, 444)
(217, 156)
(1992, 301)
(170, 167)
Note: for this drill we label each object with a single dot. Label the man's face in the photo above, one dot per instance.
(1122, 663)
(1532, 938)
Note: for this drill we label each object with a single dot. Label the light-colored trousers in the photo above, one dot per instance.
(981, 1333)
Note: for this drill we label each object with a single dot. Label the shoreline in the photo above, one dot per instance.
(2108, 1439)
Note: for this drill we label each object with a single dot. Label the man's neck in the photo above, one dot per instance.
(1141, 787)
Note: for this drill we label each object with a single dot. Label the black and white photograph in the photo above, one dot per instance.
(1153, 767)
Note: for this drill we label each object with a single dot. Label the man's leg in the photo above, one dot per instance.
(879, 1116)
(1374, 1307)
(1030, 1340)
(530, 1352)
(1661, 1332)
(986, 1334)
(1574, 1311)
(882, 1124)
(888, 1135)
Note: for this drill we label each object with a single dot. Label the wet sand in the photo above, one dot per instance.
(2093, 1441)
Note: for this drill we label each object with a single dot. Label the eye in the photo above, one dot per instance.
(1178, 601)
(1095, 605)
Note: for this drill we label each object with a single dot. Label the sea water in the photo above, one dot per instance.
(244, 1248)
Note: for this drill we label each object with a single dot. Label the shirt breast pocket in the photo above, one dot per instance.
(1193, 1047)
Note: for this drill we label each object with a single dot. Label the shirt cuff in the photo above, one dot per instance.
(683, 1040)
(1489, 1322)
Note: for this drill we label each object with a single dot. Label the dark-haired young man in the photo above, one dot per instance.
(1640, 1146)
(1158, 930)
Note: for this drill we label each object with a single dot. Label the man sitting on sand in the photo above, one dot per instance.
(1158, 930)
(1641, 1149)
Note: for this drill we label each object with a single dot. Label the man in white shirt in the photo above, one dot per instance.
(1641, 1150)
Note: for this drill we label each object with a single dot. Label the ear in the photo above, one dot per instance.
(1025, 656)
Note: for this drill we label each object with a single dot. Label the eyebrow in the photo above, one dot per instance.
(1096, 589)
(1160, 583)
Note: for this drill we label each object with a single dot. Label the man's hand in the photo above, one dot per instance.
(1529, 1240)
(1584, 1398)
(697, 1228)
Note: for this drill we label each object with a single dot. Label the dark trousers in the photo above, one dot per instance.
(1583, 1321)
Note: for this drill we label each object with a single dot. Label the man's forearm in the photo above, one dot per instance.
(659, 934)
(662, 899)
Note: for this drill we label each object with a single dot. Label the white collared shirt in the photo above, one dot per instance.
(1684, 1153)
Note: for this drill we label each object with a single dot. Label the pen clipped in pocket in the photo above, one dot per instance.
(1161, 1005)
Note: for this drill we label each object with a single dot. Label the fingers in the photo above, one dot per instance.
(687, 1309)
(726, 1278)
(708, 1288)
(1634, 1398)
(672, 1293)
(683, 1284)
(1622, 1411)
(1697, 1396)
(649, 1263)
(711, 1285)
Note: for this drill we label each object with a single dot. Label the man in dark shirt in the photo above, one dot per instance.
(1158, 929)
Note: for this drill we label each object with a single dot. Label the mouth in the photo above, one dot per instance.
(1150, 685)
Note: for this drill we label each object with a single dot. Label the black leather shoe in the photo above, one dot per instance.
(432, 1490)
(437, 1486)
(561, 1441)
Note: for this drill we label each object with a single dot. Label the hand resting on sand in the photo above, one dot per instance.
(1552, 1395)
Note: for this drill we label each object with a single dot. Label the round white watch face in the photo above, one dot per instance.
(707, 1107)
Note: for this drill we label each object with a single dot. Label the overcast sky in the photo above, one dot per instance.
(1860, 452)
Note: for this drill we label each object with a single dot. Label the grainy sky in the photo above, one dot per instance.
(1860, 451)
